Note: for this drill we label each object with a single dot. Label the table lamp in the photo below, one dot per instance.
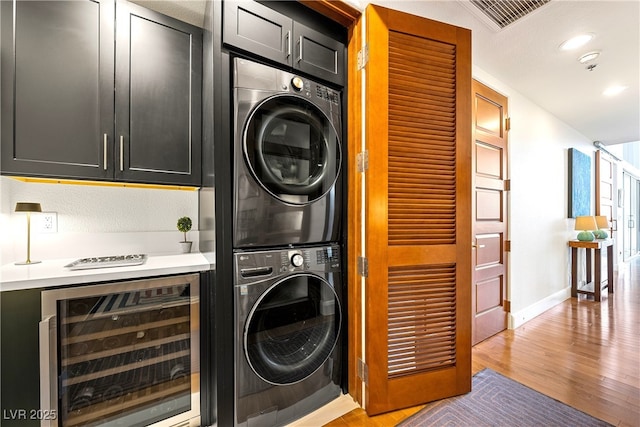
(585, 224)
(603, 224)
(28, 207)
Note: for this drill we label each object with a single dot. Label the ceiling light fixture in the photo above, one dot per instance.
(614, 90)
(576, 42)
(589, 56)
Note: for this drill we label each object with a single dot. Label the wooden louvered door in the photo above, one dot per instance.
(417, 321)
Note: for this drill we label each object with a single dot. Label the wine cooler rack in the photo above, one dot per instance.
(127, 355)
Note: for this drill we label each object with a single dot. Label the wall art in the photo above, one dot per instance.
(579, 183)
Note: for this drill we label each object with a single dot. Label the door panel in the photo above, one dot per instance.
(256, 28)
(318, 54)
(417, 211)
(605, 172)
(489, 250)
(158, 98)
(631, 211)
(57, 88)
(489, 225)
(489, 205)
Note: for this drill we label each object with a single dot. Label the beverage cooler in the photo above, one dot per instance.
(122, 354)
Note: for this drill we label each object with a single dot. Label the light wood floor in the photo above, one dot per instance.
(581, 352)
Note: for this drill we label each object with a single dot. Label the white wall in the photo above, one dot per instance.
(539, 264)
(94, 220)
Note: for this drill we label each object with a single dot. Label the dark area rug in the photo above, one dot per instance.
(499, 401)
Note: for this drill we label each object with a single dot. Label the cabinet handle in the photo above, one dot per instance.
(121, 153)
(288, 43)
(300, 49)
(104, 151)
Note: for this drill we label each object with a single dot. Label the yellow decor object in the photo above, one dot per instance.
(103, 183)
(603, 224)
(585, 224)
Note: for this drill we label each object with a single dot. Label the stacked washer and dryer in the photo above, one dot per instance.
(287, 261)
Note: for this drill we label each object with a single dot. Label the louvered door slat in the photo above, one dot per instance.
(421, 317)
(425, 71)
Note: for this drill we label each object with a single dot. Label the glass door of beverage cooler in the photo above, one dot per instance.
(122, 353)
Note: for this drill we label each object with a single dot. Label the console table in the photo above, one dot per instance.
(594, 284)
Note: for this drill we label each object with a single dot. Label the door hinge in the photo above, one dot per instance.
(507, 185)
(363, 371)
(507, 123)
(507, 245)
(362, 160)
(363, 57)
(363, 266)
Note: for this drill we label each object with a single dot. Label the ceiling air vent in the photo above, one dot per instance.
(501, 13)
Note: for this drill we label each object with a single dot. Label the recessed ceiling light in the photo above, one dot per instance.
(614, 90)
(576, 42)
(590, 56)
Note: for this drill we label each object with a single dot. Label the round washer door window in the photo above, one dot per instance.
(292, 329)
(292, 149)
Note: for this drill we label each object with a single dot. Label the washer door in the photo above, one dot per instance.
(292, 329)
(292, 149)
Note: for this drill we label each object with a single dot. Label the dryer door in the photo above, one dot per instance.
(292, 149)
(292, 329)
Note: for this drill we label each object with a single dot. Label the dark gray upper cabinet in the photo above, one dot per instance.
(260, 30)
(60, 117)
(317, 54)
(158, 97)
(57, 88)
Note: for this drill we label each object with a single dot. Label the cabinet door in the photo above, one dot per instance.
(317, 54)
(258, 29)
(158, 98)
(57, 88)
(19, 359)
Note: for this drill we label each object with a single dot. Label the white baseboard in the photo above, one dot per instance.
(523, 316)
(332, 410)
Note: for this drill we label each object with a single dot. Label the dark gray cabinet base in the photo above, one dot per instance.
(19, 359)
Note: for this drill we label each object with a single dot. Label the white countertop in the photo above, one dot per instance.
(51, 273)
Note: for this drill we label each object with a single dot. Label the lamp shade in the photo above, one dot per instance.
(602, 221)
(28, 207)
(603, 224)
(587, 223)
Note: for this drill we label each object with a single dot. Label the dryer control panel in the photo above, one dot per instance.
(254, 266)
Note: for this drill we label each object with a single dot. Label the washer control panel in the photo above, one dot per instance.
(311, 89)
(315, 259)
(259, 265)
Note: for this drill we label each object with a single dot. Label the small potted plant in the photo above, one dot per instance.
(184, 225)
